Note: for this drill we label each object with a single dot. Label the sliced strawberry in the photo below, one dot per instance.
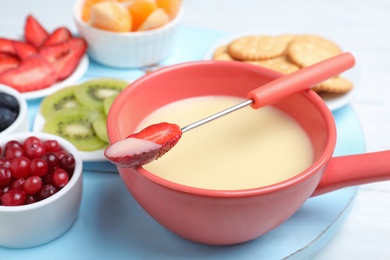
(32, 74)
(65, 56)
(8, 61)
(34, 33)
(59, 35)
(23, 49)
(6, 45)
(144, 147)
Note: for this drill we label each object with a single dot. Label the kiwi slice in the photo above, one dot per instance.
(75, 125)
(107, 102)
(99, 126)
(92, 93)
(62, 99)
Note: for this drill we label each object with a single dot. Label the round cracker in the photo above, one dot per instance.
(258, 47)
(306, 50)
(280, 64)
(221, 54)
(336, 85)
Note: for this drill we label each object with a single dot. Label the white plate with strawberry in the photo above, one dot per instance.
(42, 62)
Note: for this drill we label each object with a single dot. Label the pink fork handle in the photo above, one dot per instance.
(300, 80)
(352, 170)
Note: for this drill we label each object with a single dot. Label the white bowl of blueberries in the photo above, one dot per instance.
(13, 111)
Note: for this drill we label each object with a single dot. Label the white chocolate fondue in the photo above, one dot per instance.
(245, 149)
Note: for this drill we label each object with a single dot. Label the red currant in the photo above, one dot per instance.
(39, 167)
(17, 184)
(35, 150)
(20, 167)
(5, 176)
(52, 146)
(12, 143)
(61, 153)
(51, 159)
(5, 162)
(30, 141)
(46, 191)
(13, 198)
(67, 162)
(60, 178)
(14, 152)
(30, 199)
(32, 185)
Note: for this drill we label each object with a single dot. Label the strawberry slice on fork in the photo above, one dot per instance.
(145, 146)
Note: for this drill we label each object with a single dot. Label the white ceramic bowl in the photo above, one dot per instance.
(128, 49)
(43, 221)
(21, 122)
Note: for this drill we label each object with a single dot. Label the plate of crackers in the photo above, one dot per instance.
(287, 53)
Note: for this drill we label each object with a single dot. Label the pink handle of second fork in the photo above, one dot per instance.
(300, 80)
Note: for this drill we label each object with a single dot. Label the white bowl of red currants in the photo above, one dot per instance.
(40, 188)
(13, 111)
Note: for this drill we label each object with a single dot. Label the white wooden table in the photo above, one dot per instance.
(361, 27)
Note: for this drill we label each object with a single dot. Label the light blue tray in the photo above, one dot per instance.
(111, 225)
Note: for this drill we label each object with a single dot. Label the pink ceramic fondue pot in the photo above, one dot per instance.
(222, 217)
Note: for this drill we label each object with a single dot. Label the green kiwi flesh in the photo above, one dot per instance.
(107, 102)
(99, 126)
(75, 125)
(92, 93)
(62, 99)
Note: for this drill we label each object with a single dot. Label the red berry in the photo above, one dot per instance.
(35, 150)
(5, 162)
(52, 146)
(5, 176)
(52, 160)
(46, 191)
(67, 162)
(48, 178)
(61, 153)
(39, 167)
(20, 167)
(60, 178)
(14, 152)
(30, 199)
(12, 143)
(17, 184)
(13, 198)
(32, 185)
(29, 141)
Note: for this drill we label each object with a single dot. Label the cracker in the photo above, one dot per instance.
(281, 64)
(258, 47)
(221, 54)
(336, 85)
(306, 50)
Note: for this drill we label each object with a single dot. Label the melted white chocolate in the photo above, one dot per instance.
(244, 149)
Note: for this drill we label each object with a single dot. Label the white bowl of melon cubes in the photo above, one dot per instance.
(128, 33)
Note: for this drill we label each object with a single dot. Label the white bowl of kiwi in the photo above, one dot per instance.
(13, 111)
(78, 114)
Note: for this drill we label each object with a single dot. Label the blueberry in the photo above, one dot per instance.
(7, 117)
(9, 101)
